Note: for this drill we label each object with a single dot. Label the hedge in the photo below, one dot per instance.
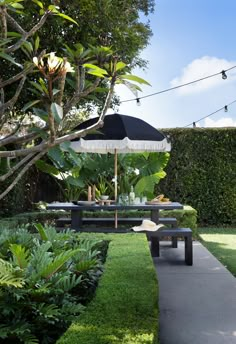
(125, 308)
(30, 217)
(202, 172)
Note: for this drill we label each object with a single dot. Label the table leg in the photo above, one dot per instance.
(155, 215)
(76, 219)
(155, 247)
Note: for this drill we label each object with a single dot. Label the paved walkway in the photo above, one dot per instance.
(197, 303)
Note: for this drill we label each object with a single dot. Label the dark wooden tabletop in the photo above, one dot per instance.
(114, 206)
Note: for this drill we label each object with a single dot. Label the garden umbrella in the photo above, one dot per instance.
(121, 134)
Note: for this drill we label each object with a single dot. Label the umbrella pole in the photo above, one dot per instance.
(115, 172)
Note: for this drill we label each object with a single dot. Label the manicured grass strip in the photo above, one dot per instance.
(221, 242)
(124, 310)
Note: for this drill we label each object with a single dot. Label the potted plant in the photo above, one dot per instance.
(102, 188)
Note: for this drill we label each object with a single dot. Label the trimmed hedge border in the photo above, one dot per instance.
(125, 308)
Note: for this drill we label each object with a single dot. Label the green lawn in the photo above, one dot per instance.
(221, 242)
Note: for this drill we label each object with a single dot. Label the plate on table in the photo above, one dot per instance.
(84, 202)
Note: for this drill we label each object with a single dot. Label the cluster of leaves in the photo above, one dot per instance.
(142, 170)
(45, 281)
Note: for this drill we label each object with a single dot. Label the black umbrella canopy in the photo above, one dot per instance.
(123, 134)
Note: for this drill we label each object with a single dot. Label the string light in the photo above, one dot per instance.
(225, 108)
(138, 101)
(224, 76)
(223, 73)
(194, 124)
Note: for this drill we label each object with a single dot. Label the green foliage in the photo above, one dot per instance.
(221, 242)
(201, 172)
(125, 307)
(64, 166)
(45, 281)
(143, 170)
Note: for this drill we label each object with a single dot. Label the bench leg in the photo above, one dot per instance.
(188, 250)
(155, 247)
(76, 219)
(174, 242)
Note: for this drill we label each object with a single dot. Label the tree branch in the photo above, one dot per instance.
(15, 25)
(11, 102)
(77, 96)
(2, 95)
(18, 139)
(3, 12)
(20, 175)
(79, 133)
(15, 168)
(28, 34)
(16, 77)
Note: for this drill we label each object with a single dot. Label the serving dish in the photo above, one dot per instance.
(84, 202)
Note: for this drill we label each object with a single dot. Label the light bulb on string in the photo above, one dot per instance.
(194, 125)
(138, 102)
(226, 108)
(224, 76)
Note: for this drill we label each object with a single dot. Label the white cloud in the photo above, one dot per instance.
(222, 122)
(200, 68)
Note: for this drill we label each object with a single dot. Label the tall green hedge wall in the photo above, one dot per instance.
(202, 172)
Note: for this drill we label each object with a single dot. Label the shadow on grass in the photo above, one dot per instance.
(219, 247)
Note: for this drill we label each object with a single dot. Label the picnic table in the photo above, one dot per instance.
(77, 210)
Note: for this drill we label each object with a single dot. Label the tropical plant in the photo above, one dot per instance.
(102, 185)
(45, 281)
(64, 166)
(31, 130)
(142, 170)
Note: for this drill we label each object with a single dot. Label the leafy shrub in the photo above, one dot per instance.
(201, 171)
(45, 281)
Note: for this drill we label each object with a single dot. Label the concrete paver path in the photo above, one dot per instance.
(197, 303)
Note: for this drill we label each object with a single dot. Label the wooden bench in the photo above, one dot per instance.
(172, 221)
(122, 220)
(185, 233)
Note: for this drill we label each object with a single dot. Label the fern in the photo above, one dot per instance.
(86, 265)
(72, 308)
(8, 275)
(48, 311)
(58, 262)
(66, 283)
(41, 231)
(20, 255)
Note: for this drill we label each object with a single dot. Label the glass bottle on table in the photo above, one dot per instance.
(131, 195)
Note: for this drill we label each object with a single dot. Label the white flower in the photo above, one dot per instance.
(38, 62)
(67, 67)
(54, 62)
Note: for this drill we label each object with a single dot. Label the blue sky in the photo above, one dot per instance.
(191, 39)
